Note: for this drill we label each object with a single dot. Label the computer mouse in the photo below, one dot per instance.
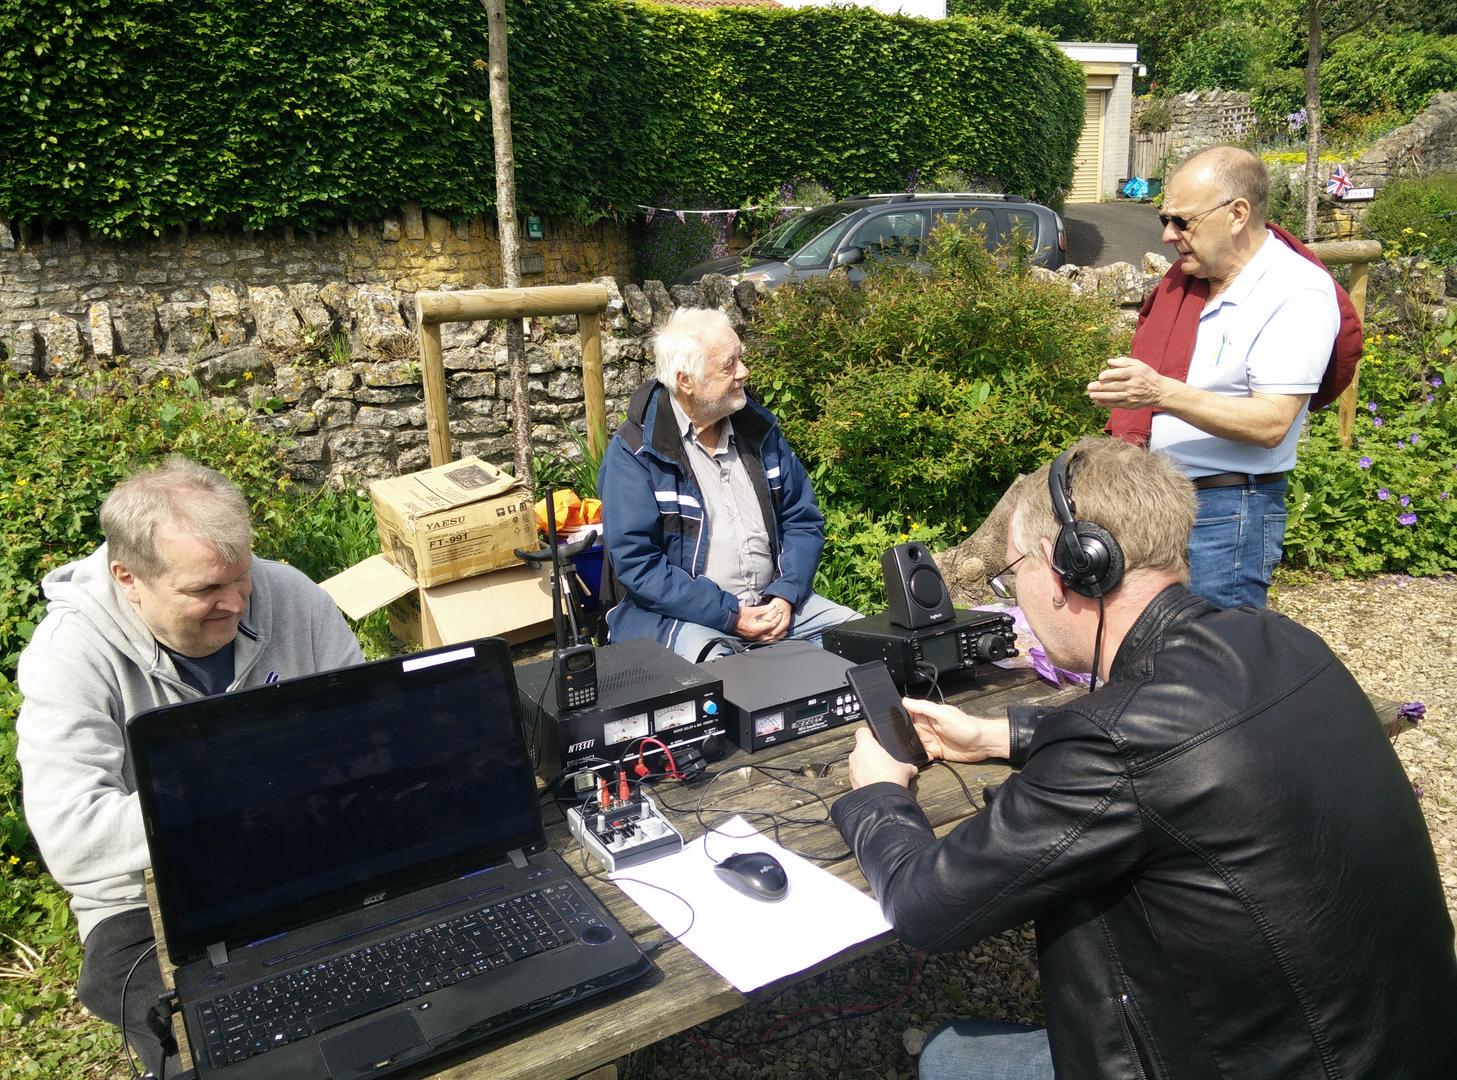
(756, 874)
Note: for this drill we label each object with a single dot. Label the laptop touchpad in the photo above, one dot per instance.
(371, 1047)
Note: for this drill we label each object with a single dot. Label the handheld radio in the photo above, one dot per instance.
(574, 665)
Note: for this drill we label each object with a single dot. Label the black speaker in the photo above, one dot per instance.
(915, 593)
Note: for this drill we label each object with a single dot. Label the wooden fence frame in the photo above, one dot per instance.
(1358, 255)
(586, 302)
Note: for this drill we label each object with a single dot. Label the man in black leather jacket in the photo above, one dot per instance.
(1228, 869)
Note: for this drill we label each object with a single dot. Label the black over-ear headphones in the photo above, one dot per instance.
(1085, 554)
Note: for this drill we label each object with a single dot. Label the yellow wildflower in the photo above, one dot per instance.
(247, 376)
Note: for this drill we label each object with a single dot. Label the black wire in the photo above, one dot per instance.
(653, 946)
(779, 819)
(1097, 650)
(965, 790)
(921, 665)
(125, 1042)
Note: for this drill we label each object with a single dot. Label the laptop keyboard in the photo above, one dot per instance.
(301, 1003)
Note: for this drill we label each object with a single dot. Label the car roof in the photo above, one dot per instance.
(883, 198)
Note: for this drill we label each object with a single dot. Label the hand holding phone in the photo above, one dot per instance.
(880, 704)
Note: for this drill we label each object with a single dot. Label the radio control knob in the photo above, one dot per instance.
(991, 647)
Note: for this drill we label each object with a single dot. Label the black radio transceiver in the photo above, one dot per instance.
(576, 676)
(968, 639)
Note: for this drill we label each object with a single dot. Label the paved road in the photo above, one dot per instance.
(1102, 233)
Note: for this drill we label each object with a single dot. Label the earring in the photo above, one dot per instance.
(1058, 601)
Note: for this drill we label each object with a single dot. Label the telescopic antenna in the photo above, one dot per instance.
(556, 573)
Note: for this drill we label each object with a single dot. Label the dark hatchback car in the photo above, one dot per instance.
(854, 231)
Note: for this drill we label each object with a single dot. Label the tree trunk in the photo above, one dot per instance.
(507, 229)
(1312, 116)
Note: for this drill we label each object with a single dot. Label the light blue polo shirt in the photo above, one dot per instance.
(1270, 332)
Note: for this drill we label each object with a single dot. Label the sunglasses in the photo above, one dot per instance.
(1182, 223)
(1004, 583)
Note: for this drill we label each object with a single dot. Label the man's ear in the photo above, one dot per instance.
(126, 579)
(1059, 589)
(683, 384)
(1240, 211)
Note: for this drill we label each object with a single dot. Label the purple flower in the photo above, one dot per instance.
(1412, 710)
(1431, 398)
(1377, 421)
(1371, 405)
(1445, 495)
(1405, 500)
(1383, 494)
(1408, 518)
(1412, 438)
(1436, 381)
(1364, 463)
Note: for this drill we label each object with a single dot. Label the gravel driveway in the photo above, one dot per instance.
(1396, 634)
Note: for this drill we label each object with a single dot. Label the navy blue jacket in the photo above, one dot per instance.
(656, 534)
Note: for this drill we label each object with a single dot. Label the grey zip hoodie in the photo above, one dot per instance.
(91, 664)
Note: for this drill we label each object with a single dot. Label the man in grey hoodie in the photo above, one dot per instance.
(173, 607)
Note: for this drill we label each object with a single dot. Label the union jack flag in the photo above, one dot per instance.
(1339, 183)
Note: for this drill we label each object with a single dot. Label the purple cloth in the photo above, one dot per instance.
(1033, 654)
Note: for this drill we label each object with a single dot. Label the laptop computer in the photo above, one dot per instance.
(352, 873)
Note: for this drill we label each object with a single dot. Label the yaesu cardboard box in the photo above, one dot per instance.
(453, 521)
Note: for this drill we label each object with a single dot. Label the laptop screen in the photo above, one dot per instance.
(271, 808)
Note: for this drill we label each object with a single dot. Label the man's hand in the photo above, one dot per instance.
(1127, 383)
(947, 732)
(766, 622)
(870, 764)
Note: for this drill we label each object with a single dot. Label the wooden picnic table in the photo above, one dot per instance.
(690, 992)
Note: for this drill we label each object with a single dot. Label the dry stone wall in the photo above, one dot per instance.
(333, 368)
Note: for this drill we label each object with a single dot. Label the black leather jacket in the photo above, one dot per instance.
(1228, 868)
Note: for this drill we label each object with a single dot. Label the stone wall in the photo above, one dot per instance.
(1195, 119)
(1426, 145)
(334, 369)
(66, 296)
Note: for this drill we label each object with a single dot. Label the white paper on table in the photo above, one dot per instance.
(751, 942)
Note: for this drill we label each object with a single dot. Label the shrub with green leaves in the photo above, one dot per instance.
(1385, 71)
(134, 117)
(1417, 216)
(849, 570)
(1386, 502)
(921, 396)
(1222, 57)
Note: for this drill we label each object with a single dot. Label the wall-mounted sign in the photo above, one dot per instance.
(533, 228)
(1359, 194)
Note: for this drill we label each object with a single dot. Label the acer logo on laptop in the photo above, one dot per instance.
(374, 898)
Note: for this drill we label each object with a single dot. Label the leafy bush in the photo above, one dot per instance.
(1384, 504)
(665, 246)
(307, 113)
(1221, 58)
(1065, 20)
(1385, 70)
(1418, 215)
(921, 397)
(849, 571)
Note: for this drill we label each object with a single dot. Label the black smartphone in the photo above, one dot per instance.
(880, 704)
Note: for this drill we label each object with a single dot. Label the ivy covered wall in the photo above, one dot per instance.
(130, 116)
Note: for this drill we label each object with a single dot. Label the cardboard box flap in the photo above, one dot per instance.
(368, 586)
(490, 605)
(460, 483)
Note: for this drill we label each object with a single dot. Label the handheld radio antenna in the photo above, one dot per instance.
(556, 573)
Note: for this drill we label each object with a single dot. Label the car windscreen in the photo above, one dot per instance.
(784, 240)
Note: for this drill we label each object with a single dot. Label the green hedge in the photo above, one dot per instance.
(133, 115)
(1385, 70)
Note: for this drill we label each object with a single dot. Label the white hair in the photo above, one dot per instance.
(180, 492)
(682, 344)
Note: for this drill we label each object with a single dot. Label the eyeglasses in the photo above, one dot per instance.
(1004, 583)
(1182, 223)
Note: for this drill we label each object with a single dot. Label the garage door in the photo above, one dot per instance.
(1088, 160)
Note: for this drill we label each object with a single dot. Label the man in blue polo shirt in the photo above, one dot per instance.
(1264, 340)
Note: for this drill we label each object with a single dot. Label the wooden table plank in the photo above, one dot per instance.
(689, 992)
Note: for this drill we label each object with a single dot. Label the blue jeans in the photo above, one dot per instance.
(1236, 543)
(986, 1050)
(814, 617)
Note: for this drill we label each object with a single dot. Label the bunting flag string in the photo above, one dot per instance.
(680, 214)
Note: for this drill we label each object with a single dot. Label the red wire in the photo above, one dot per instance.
(673, 769)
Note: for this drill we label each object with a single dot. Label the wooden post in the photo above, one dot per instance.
(1359, 255)
(593, 391)
(587, 302)
(432, 376)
